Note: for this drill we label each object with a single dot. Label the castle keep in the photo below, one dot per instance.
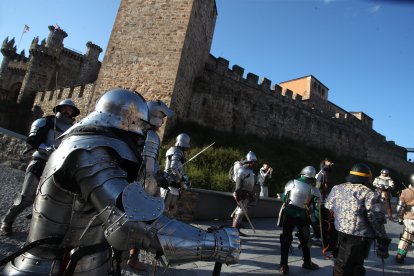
(161, 49)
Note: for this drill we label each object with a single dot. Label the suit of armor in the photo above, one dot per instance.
(177, 178)
(384, 184)
(151, 175)
(42, 137)
(297, 197)
(88, 199)
(405, 214)
(245, 183)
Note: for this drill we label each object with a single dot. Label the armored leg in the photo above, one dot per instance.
(239, 214)
(238, 217)
(305, 242)
(21, 201)
(286, 239)
(406, 240)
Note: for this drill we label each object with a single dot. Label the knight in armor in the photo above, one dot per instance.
(405, 215)
(359, 219)
(42, 138)
(384, 184)
(297, 200)
(89, 203)
(150, 175)
(177, 178)
(245, 181)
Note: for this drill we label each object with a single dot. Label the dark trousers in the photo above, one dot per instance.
(289, 224)
(352, 250)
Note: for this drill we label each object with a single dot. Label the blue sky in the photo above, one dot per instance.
(362, 50)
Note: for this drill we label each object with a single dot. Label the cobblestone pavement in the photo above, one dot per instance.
(260, 251)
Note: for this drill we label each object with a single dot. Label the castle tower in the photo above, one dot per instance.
(42, 66)
(12, 70)
(56, 37)
(158, 48)
(91, 63)
(9, 53)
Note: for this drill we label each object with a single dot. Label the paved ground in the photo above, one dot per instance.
(261, 254)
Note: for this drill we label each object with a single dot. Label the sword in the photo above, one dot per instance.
(203, 150)
(247, 217)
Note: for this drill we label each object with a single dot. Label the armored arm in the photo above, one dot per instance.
(288, 187)
(38, 134)
(152, 177)
(174, 166)
(391, 184)
(132, 218)
(401, 209)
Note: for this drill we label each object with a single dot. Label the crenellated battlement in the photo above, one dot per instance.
(220, 66)
(81, 95)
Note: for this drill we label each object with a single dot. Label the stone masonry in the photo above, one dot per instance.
(158, 48)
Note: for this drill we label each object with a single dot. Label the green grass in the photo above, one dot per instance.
(210, 169)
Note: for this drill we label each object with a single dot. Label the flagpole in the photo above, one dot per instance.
(23, 32)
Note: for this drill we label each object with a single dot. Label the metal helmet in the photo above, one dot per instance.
(157, 111)
(385, 171)
(183, 140)
(411, 180)
(359, 173)
(308, 172)
(121, 109)
(67, 102)
(251, 157)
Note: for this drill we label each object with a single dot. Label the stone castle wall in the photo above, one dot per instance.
(224, 100)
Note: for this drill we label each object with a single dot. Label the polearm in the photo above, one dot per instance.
(203, 150)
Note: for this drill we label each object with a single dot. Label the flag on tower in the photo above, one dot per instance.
(26, 29)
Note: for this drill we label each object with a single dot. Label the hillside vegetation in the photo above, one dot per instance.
(210, 169)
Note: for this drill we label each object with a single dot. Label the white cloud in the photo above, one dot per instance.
(374, 8)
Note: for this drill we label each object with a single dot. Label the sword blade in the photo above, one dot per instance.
(203, 150)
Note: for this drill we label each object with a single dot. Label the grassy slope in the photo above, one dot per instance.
(209, 170)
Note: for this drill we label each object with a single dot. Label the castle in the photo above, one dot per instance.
(162, 50)
(49, 65)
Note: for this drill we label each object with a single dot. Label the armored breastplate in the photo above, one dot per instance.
(300, 194)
